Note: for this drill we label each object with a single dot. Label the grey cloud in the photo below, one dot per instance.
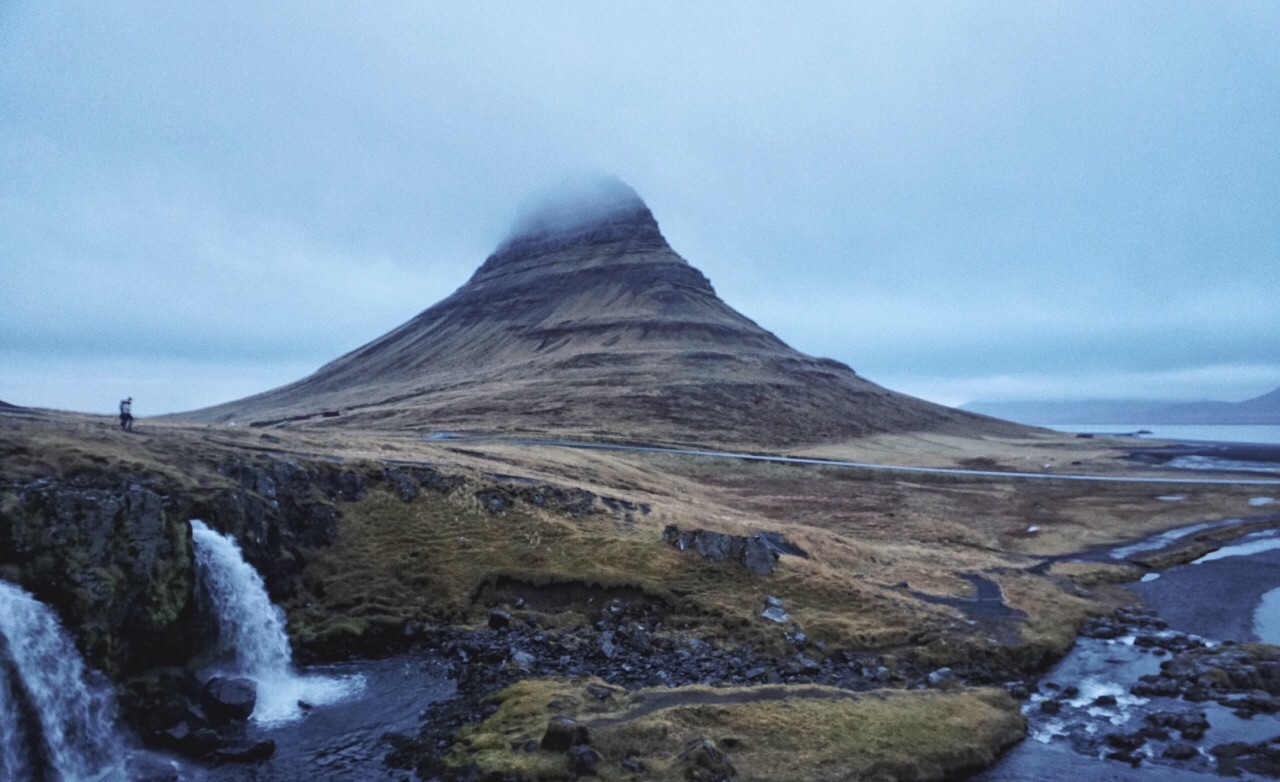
(940, 190)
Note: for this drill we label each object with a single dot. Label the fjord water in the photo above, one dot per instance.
(1214, 433)
(253, 631)
(57, 718)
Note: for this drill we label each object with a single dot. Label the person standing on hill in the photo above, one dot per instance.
(126, 414)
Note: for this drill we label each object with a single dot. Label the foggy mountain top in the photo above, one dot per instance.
(574, 202)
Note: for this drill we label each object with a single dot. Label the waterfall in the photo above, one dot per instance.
(254, 630)
(57, 718)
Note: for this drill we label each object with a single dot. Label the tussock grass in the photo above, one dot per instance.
(769, 733)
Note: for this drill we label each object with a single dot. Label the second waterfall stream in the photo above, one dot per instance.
(253, 630)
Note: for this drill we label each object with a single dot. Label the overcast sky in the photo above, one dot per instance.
(962, 201)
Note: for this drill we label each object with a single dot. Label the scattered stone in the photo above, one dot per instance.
(1126, 741)
(1019, 690)
(499, 620)
(775, 614)
(1125, 757)
(583, 761)
(1180, 750)
(807, 665)
(523, 661)
(704, 762)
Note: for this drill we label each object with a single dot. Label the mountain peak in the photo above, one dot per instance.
(585, 321)
(589, 211)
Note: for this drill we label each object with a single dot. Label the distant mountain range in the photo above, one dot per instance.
(1264, 409)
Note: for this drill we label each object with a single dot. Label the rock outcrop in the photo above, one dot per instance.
(755, 552)
(585, 321)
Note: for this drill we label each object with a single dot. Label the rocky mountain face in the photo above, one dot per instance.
(585, 321)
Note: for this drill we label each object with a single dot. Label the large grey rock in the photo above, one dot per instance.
(227, 699)
(759, 557)
(712, 545)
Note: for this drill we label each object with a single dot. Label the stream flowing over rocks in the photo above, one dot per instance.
(1141, 697)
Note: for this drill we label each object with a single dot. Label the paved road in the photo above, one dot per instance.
(884, 467)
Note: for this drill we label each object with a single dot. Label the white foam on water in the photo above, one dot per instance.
(1047, 731)
(254, 629)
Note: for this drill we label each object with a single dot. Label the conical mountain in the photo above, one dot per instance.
(586, 322)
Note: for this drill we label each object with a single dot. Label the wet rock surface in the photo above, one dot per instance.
(1137, 693)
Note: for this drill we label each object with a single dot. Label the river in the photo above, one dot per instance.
(1232, 594)
(344, 740)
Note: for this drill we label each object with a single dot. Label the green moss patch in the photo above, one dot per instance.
(795, 732)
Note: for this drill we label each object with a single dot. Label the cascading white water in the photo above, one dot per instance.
(254, 629)
(56, 721)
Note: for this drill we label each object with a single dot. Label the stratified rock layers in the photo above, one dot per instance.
(586, 322)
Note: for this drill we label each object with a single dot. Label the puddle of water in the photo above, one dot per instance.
(1164, 539)
(1214, 463)
(1171, 497)
(1266, 618)
(1260, 501)
(1150, 577)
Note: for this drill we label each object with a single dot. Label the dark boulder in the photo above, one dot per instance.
(246, 753)
(1180, 750)
(563, 733)
(583, 761)
(226, 699)
(704, 762)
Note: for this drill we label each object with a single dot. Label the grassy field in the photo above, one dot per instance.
(765, 733)
(881, 551)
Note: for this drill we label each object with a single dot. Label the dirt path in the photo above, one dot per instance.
(890, 467)
(758, 694)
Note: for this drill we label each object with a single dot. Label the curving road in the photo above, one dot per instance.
(884, 467)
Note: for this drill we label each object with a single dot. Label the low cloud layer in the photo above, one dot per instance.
(200, 203)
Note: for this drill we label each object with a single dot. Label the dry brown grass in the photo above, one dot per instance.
(866, 532)
(771, 733)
